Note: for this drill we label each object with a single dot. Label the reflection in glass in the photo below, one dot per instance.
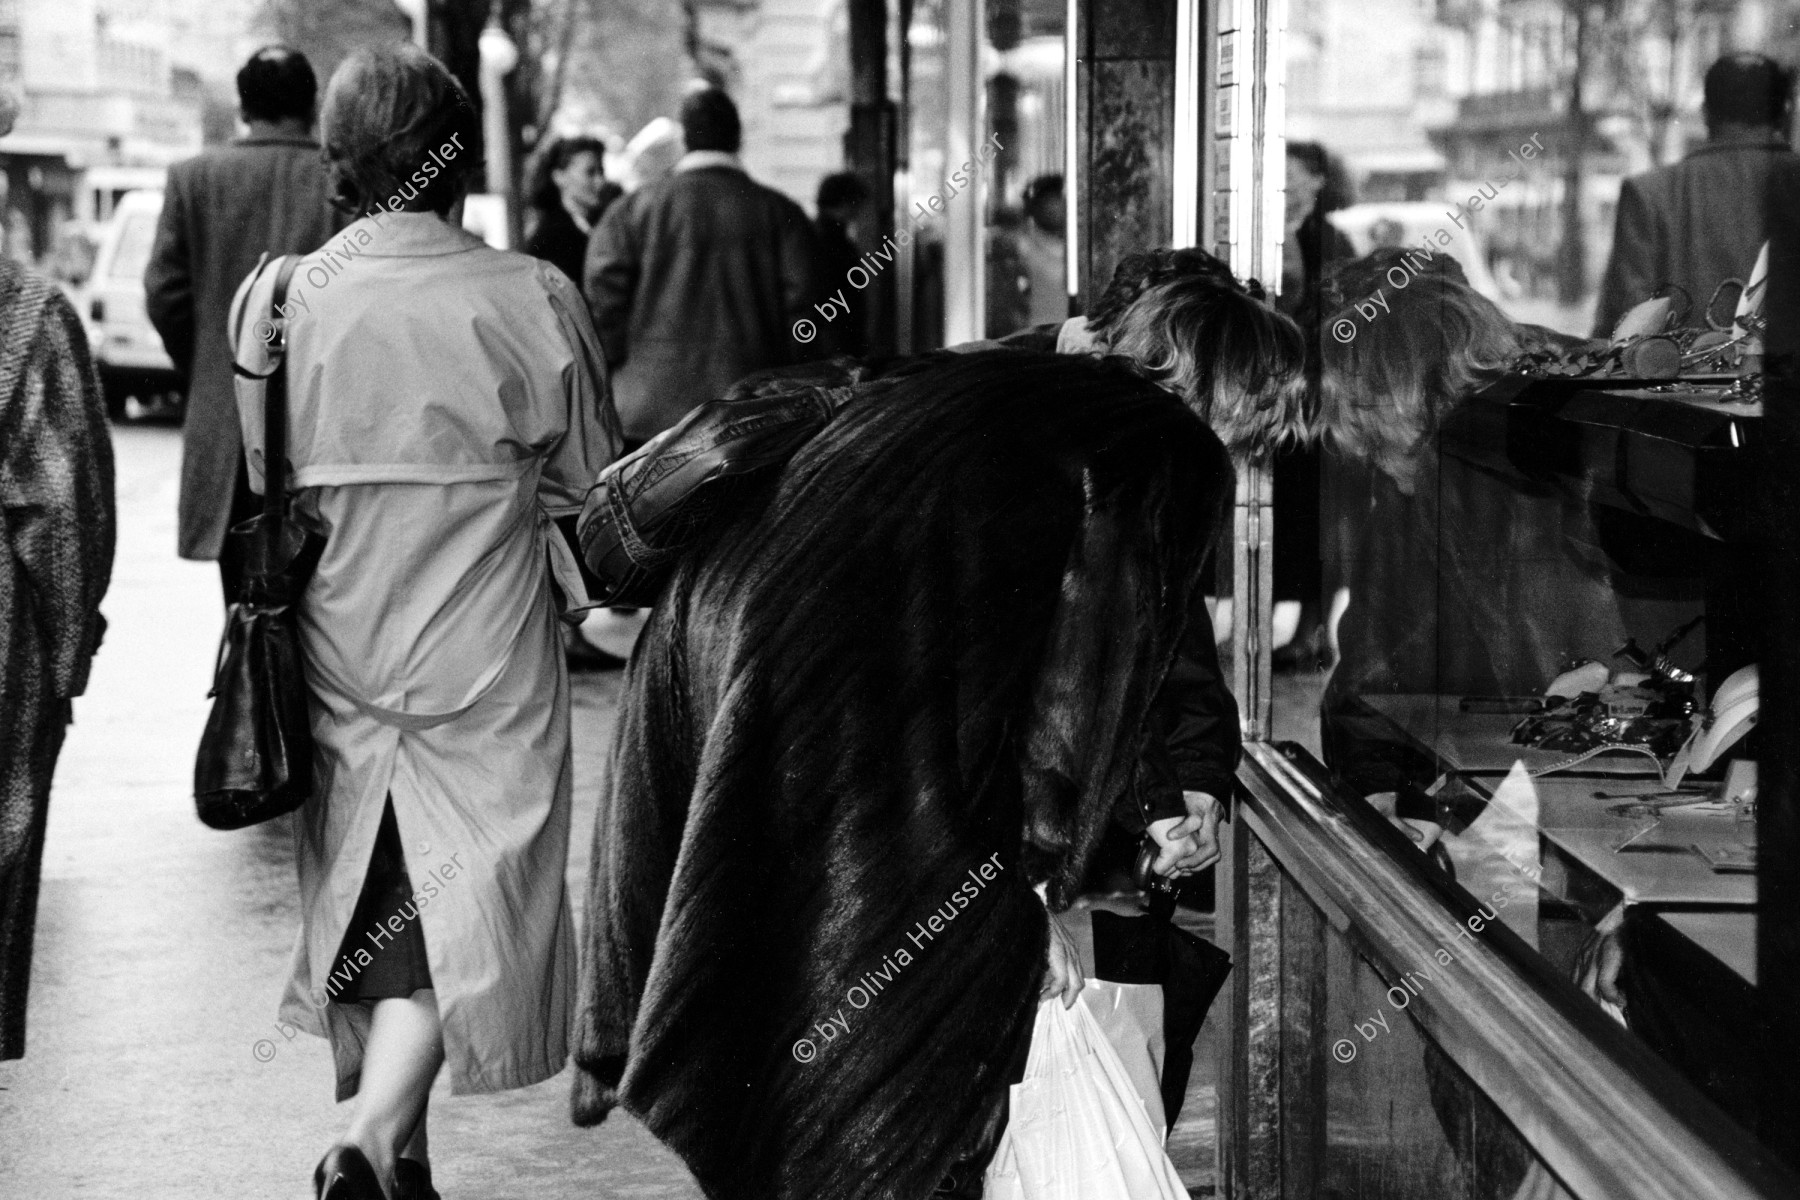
(1536, 574)
(1023, 73)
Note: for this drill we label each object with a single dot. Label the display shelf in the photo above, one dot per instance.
(1581, 832)
(1481, 743)
(1681, 453)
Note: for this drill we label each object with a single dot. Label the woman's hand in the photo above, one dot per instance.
(1188, 844)
(1064, 974)
(1174, 837)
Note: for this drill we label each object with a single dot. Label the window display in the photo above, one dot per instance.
(1537, 550)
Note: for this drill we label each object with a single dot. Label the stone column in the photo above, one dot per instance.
(1124, 132)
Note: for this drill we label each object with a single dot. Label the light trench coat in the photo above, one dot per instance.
(446, 401)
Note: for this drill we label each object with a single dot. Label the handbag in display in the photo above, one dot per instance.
(255, 758)
(651, 505)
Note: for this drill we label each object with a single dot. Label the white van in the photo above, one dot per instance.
(126, 346)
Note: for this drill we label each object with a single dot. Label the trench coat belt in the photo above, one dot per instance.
(414, 722)
(565, 572)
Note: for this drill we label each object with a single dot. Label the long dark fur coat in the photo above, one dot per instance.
(929, 644)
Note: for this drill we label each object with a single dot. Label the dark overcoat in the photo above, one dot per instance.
(1697, 223)
(221, 212)
(694, 282)
(56, 548)
(905, 683)
(556, 238)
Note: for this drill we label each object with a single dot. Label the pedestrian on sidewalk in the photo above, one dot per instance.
(1176, 314)
(223, 210)
(902, 687)
(56, 551)
(842, 204)
(1699, 222)
(699, 279)
(448, 404)
(570, 194)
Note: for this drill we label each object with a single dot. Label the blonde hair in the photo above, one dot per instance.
(1186, 322)
(1435, 339)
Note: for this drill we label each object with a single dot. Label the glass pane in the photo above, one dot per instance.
(1519, 575)
(1023, 74)
(927, 116)
(1021, 110)
(1434, 1135)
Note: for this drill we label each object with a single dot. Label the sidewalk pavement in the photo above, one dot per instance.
(154, 1068)
(162, 948)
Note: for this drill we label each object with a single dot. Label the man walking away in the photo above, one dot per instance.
(266, 192)
(698, 279)
(1702, 221)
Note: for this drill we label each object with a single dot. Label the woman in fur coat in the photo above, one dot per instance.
(901, 689)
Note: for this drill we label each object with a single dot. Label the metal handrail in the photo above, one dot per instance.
(1603, 1113)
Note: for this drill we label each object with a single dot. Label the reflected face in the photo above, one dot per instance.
(580, 181)
(1303, 188)
(1050, 213)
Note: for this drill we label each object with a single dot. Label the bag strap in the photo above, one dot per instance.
(275, 428)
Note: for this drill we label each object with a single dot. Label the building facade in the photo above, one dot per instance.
(102, 110)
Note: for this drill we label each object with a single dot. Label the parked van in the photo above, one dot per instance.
(126, 346)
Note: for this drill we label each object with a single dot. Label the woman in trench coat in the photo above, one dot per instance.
(447, 404)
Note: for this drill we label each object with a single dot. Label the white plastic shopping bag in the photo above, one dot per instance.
(1078, 1129)
(1131, 1017)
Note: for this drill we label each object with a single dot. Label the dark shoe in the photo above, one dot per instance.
(412, 1181)
(344, 1174)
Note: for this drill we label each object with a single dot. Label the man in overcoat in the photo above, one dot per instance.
(699, 279)
(1701, 221)
(265, 192)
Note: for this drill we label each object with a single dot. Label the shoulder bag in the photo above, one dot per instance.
(255, 759)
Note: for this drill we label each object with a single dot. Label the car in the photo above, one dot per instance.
(1407, 224)
(127, 349)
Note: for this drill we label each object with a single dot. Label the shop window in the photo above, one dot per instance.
(1515, 592)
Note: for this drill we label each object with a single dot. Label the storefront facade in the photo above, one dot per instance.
(1487, 943)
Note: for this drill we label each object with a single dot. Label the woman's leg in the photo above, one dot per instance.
(405, 1050)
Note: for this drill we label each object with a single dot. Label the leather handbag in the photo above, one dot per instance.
(255, 758)
(652, 505)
